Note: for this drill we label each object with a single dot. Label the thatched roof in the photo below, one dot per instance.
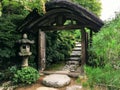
(57, 13)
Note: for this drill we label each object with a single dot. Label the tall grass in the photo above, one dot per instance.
(105, 56)
(106, 44)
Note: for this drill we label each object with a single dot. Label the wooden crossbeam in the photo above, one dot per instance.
(65, 27)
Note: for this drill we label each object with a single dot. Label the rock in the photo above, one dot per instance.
(1, 88)
(56, 80)
(8, 86)
(61, 72)
(46, 88)
(74, 87)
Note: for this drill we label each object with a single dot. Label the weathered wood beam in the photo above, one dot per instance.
(41, 51)
(91, 34)
(86, 46)
(83, 43)
(65, 27)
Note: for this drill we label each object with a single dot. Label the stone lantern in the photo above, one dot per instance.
(25, 49)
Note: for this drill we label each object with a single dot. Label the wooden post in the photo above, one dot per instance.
(41, 51)
(86, 47)
(91, 34)
(83, 44)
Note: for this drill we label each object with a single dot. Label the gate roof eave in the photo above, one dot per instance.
(53, 8)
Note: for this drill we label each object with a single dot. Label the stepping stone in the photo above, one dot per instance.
(1, 88)
(46, 88)
(56, 80)
(62, 72)
(74, 87)
(73, 62)
(75, 53)
(78, 45)
(74, 58)
(77, 42)
(77, 49)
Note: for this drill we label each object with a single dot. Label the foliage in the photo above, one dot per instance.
(9, 36)
(105, 55)
(1, 76)
(26, 75)
(56, 66)
(59, 45)
(106, 76)
(91, 5)
(12, 7)
(29, 5)
(8, 73)
(106, 44)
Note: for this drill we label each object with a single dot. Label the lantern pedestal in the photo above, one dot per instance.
(25, 61)
(25, 49)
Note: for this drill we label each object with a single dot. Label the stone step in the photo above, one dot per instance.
(72, 62)
(71, 74)
(77, 49)
(1, 88)
(75, 53)
(77, 42)
(78, 45)
(74, 58)
(56, 80)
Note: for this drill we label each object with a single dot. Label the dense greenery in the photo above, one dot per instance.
(8, 73)
(106, 44)
(59, 43)
(26, 75)
(105, 77)
(8, 37)
(13, 12)
(91, 5)
(105, 56)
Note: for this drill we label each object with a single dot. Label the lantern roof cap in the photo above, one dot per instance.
(25, 40)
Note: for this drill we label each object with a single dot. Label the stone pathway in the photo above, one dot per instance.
(74, 61)
(58, 80)
(46, 88)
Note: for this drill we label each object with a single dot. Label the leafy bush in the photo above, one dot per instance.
(26, 75)
(106, 76)
(106, 44)
(59, 45)
(8, 73)
(1, 76)
(12, 7)
(8, 37)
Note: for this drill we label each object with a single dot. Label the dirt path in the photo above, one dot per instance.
(39, 84)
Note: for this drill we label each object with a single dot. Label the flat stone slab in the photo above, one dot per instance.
(75, 53)
(56, 80)
(46, 88)
(77, 48)
(72, 62)
(74, 58)
(78, 45)
(74, 87)
(61, 72)
(1, 88)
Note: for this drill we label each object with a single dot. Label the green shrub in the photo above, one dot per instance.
(8, 73)
(26, 75)
(106, 44)
(106, 76)
(59, 45)
(1, 76)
